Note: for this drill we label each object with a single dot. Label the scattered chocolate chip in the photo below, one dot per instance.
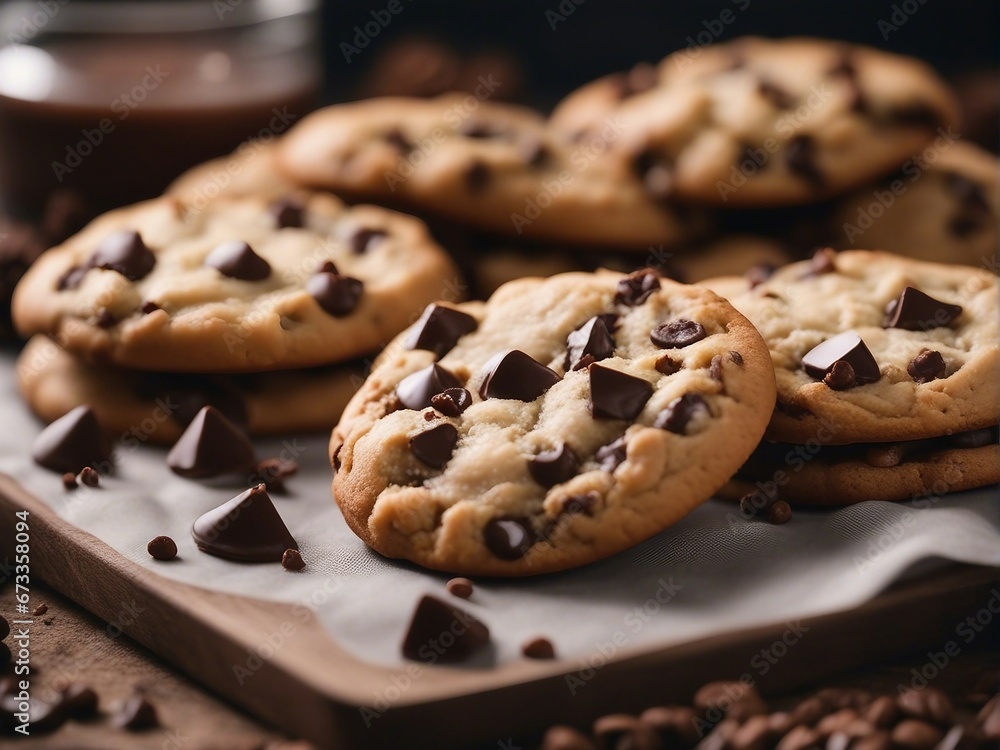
(247, 528)
(211, 446)
(337, 295)
(477, 176)
(509, 538)
(126, 253)
(636, 288)
(657, 177)
(609, 457)
(435, 446)
(89, 477)
(846, 347)
(162, 548)
(395, 137)
(775, 94)
(736, 358)
(79, 701)
(680, 412)
(554, 466)
(841, 376)
(40, 610)
(452, 401)
(69, 481)
(72, 278)
(291, 559)
(915, 311)
(364, 239)
(539, 648)
(106, 319)
(288, 212)
(237, 260)
(460, 587)
(757, 275)
(566, 738)
(137, 714)
(439, 329)
(149, 307)
(592, 340)
(779, 512)
(442, 632)
(926, 366)
(617, 395)
(677, 334)
(72, 441)
(800, 155)
(667, 365)
(417, 390)
(513, 374)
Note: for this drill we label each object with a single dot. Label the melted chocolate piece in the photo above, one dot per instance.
(247, 528)
(126, 253)
(680, 412)
(211, 446)
(417, 390)
(440, 632)
(609, 457)
(288, 212)
(237, 260)
(554, 466)
(592, 340)
(927, 366)
(513, 374)
(677, 334)
(636, 288)
(364, 239)
(847, 347)
(439, 329)
(337, 295)
(509, 538)
(617, 395)
(435, 446)
(915, 311)
(452, 401)
(71, 442)
(800, 155)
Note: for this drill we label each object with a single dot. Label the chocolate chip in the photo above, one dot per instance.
(237, 260)
(779, 512)
(439, 329)
(926, 366)
(69, 481)
(79, 701)
(89, 477)
(364, 239)
(477, 176)
(291, 559)
(515, 375)
(452, 401)
(395, 137)
(677, 334)
(162, 548)
(246, 528)
(337, 295)
(211, 446)
(580, 505)
(435, 446)
(666, 365)
(592, 339)
(328, 266)
(442, 632)
(149, 307)
(460, 587)
(554, 466)
(288, 212)
(72, 441)
(754, 502)
(680, 412)
(636, 288)
(417, 390)
(800, 155)
(847, 347)
(736, 358)
(126, 253)
(775, 94)
(137, 714)
(915, 311)
(657, 177)
(72, 278)
(617, 395)
(609, 457)
(509, 538)
(539, 648)
(841, 376)
(106, 319)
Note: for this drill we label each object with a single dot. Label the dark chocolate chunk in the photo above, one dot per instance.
(211, 446)
(617, 395)
(137, 714)
(460, 587)
(513, 374)
(656, 175)
(126, 253)
(915, 311)
(679, 413)
(162, 548)
(609, 457)
(555, 466)
(79, 701)
(800, 155)
(40, 610)
(677, 334)
(637, 287)
(452, 401)
(246, 528)
(364, 239)
(439, 329)
(435, 446)
(337, 295)
(291, 559)
(191, 393)
(847, 347)
(416, 390)
(539, 648)
(592, 340)
(71, 442)
(440, 632)
(477, 176)
(509, 538)
(89, 477)
(667, 365)
(775, 94)
(237, 260)
(288, 212)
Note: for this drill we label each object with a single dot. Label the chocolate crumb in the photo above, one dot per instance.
(779, 512)
(292, 560)
(162, 548)
(460, 587)
(539, 648)
(40, 610)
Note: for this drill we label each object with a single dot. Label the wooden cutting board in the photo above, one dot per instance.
(312, 688)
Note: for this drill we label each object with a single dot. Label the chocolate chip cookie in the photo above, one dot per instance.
(760, 122)
(562, 421)
(240, 284)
